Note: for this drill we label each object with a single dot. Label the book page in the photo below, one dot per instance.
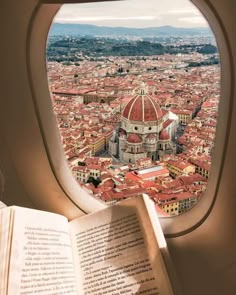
(41, 257)
(5, 242)
(117, 253)
(2, 205)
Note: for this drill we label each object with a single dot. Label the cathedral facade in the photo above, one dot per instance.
(145, 131)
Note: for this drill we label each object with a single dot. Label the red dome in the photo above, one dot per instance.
(142, 108)
(134, 138)
(164, 135)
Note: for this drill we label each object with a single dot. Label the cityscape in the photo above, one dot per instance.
(137, 114)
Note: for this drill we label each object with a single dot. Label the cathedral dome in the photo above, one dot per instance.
(142, 108)
(164, 135)
(134, 138)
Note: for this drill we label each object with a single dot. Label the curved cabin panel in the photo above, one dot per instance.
(31, 179)
(202, 242)
(205, 257)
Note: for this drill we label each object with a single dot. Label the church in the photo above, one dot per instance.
(145, 130)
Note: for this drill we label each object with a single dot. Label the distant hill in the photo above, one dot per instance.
(97, 31)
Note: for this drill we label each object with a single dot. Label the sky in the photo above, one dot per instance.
(133, 13)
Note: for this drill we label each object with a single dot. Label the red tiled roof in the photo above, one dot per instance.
(164, 135)
(142, 108)
(134, 138)
(167, 123)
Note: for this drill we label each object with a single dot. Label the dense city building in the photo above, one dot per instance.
(150, 129)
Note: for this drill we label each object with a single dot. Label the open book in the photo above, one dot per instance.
(114, 251)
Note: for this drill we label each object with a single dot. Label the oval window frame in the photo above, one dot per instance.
(39, 27)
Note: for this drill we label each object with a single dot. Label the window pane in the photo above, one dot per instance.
(136, 99)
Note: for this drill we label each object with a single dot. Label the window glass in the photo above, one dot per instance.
(135, 88)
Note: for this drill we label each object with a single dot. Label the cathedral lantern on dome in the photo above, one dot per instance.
(142, 123)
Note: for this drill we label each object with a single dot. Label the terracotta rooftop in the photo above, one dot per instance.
(164, 135)
(134, 138)
(142, 108)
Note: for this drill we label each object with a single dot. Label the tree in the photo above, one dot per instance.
(120, 70)
(67, 63)
(207, 49)
(76, 78)
(94, 181)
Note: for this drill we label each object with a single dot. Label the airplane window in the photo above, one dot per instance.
(135, 89)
